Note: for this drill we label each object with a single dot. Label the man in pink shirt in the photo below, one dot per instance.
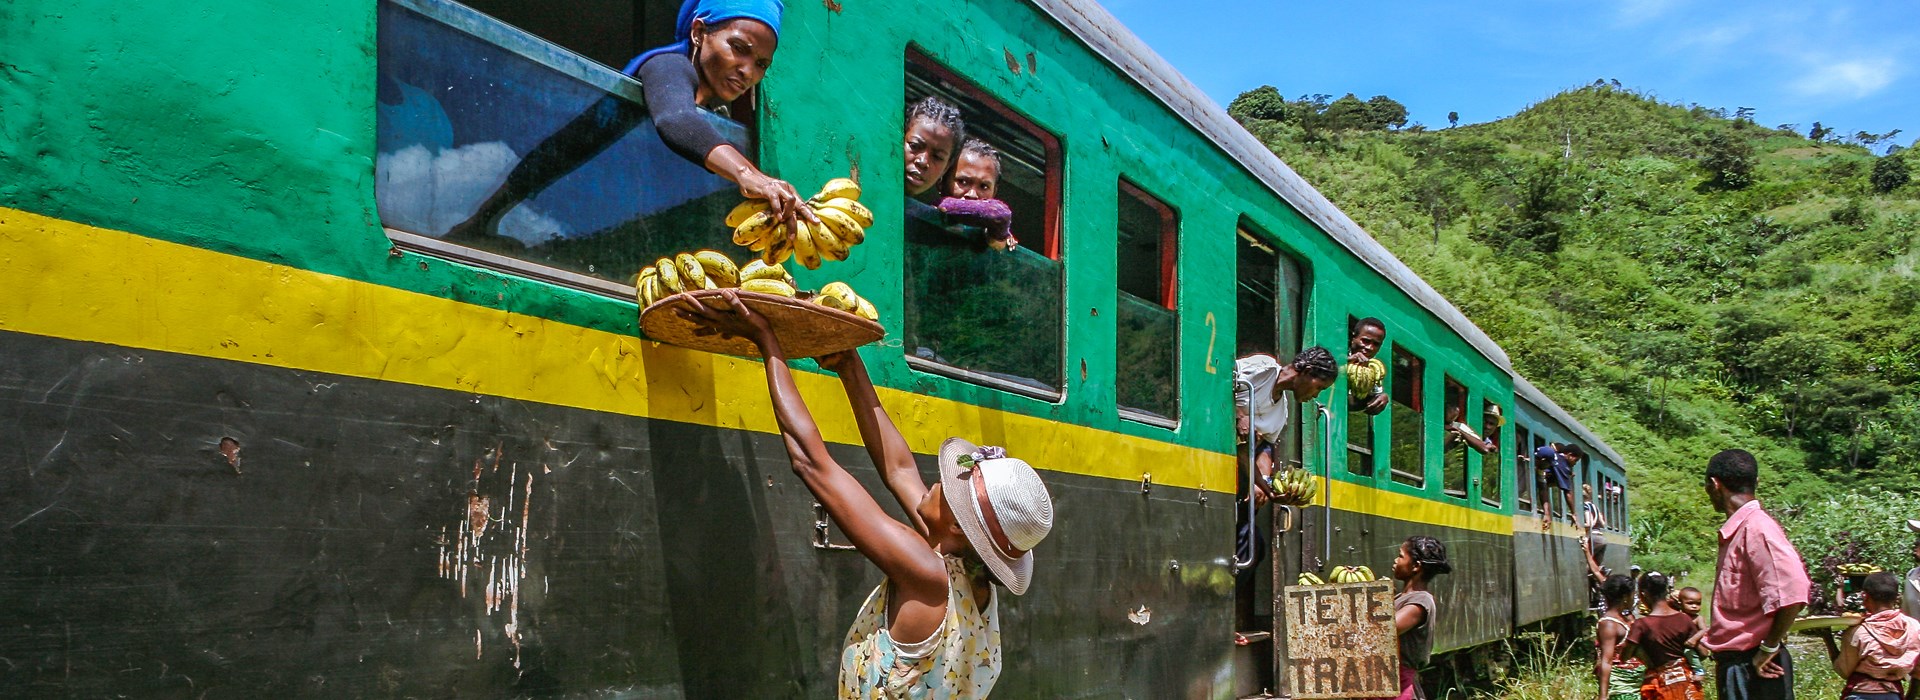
(1759, 587)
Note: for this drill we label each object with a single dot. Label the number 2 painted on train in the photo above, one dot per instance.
(1213, 334)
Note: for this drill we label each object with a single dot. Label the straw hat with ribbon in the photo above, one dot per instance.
(1001, 505)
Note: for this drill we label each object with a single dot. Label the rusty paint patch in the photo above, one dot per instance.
(832, 6)
(230, 449)
(491, 544)
(1340, 641)
(1013, 62)
(1033, 64)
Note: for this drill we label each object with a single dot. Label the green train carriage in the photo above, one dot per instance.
(273, 429)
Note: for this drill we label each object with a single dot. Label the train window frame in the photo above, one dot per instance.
(1415, 418)
(1167, 293)
(1290, 277)
(1047, 243)
(553, 53)
(1523, 481)
(1366, 447)
(1449, 389)
(1495, 464)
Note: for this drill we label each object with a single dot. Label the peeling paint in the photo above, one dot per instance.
(492, 545)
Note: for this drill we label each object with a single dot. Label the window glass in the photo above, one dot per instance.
(610, 32)
(1490, 464)
(973, 312)
(1453, 477)
(1148, 325)
(1409, 439)
(491, 140)
(1522, 469)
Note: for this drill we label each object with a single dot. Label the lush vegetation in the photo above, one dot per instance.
(1683, 279)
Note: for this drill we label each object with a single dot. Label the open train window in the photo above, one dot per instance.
(1408, 458)
(1271, 304)
(1522, 469)
(1359, 424)
(975, 312)
(1490, 471)
(499, 148)
(1147, 319)
(1453, 474)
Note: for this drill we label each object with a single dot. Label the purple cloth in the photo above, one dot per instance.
(990, 214)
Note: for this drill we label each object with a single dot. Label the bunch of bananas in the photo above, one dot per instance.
(1363, 377)
(1352, 574)
(708, 269)
(1308, 578)
(1294, 488)
(843, 225)
(839, 295)
(1858, 569)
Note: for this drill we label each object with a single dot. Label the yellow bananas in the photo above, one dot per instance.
(1339, 574)
(1308, 578)
(767, 286)
(1294, 488)
(843, 225)
(839, 295)
(706, 269)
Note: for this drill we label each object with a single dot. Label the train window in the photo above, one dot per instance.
(1522, 469)
(1453, 470)
(973, 311)
(500, 149)
(1541, 489)
(1148, 323)
(1490, 471)
(1359, 426)
(1408, 459)
(1271, 297)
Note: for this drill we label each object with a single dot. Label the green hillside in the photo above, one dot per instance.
(1682, 280)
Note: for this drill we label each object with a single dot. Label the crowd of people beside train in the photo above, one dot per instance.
(1652, 643)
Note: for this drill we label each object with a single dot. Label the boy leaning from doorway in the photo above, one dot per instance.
(1421, 558)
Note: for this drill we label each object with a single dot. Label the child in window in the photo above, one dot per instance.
(970, 195)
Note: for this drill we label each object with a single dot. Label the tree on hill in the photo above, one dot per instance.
(1728, 160)
(1889, 173)
(1453, 119)
(1264, 102)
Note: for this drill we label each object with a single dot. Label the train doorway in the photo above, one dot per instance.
(1271, 291)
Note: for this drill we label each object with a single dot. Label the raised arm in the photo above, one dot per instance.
(883, 440)
(898, 550)
(1605, 638)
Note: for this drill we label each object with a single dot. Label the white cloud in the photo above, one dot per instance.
(1854, 78)
(424, 192)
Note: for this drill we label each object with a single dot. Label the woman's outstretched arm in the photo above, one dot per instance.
(885, 444)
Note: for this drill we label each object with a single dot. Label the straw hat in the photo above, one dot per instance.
(1493, 411)
(1000, 504)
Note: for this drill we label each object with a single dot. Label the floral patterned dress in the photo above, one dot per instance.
(960, 661)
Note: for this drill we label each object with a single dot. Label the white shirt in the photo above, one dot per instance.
(1270, 417)
(1910, 594)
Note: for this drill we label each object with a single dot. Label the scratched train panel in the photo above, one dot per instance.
(320, 374)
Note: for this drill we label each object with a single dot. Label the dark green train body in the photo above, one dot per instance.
(278, 421)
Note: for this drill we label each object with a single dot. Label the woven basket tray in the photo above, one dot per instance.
(805, 329)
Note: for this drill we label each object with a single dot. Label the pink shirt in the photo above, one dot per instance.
(1759, 573)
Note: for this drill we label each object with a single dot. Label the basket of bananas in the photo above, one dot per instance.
(843, 223)
(1294, 488)
(808, 324)
(1339, 574)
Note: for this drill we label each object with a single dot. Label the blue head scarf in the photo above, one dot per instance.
(711, 12)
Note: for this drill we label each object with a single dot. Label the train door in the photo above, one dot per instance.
(1271, 293)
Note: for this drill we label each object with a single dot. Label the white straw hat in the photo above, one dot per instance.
(1001, 505)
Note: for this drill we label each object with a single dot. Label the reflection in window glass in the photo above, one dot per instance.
(1147, 326)
(483, 147)
(1453, 477)
(1490, 463)
(972, 312)
(1408, 459)
(1522, 469)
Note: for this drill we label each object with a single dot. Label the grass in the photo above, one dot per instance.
(1543, 673)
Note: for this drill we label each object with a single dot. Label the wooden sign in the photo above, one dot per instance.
(1341, 641)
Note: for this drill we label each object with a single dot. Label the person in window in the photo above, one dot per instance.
(1459, 434)
(970, 195)
(1366, 376)
(932, 628)
(722, 49)
(1555, 461)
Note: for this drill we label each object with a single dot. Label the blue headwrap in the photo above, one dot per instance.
(711, 12)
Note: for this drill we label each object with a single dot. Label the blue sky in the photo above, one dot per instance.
(1849, 64)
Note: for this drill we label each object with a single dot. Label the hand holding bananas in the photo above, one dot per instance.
(1295, 487)
(835, 221)
(992, 215)
(781, 202)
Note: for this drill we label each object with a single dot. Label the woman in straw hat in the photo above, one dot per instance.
(931, 630)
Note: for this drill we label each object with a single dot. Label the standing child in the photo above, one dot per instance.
(1690, 601)
(1879, 655)
(1421, 558)
(1620, 675)
(1660, 639)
